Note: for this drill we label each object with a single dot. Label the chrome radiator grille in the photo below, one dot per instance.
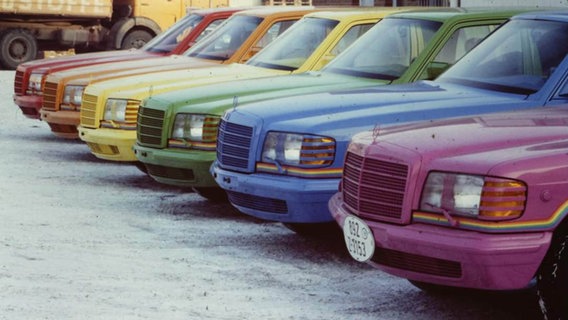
(19, 83)
(233, 144)
(89, 111)
(150, 126)
(50, 96)
(374, 189)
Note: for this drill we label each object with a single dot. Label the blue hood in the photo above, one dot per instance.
(341, 114)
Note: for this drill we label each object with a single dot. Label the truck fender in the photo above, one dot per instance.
(121, 28)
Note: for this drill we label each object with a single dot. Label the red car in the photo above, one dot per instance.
(182, 35)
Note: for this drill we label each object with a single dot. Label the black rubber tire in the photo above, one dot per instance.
(136, 39)
(212, 194)
(552, 279)
(16, 46)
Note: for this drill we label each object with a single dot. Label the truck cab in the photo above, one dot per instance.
(27, 27)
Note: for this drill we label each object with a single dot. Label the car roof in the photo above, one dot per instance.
(268, 11)
(213, 10)
(555, 15)
(353, 13)
(443, 14)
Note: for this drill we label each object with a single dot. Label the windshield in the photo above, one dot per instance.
(222, 43)
(295, 46)
(386, 50)
(517, 58)
(169, 39)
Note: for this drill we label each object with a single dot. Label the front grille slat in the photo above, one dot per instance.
(89, 111)
(50, 96)
(19, 83)
(374, 189)
(234, 142)
(150, 127)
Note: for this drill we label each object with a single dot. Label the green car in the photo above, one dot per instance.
(177, 131)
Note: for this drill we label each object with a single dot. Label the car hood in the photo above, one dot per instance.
(344, 113)
(47, 63)
(219, 96)
(143, 86)
(94, 73)
(483, 144)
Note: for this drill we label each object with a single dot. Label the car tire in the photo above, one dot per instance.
(552, 279)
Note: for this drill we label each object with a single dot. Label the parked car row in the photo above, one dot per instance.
(313, 117)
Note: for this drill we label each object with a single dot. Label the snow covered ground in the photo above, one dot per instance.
(81, 238)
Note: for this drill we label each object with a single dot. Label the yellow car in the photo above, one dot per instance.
(236, 40)
(109, 108)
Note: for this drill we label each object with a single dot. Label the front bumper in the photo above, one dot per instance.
(62, 123)
(278, 198)
(453, 257)
(185, 168)
(110, 144)
(30, 105)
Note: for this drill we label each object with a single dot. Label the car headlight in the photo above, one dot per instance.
(298, 149)
(72, 96)
(473, 196)
(34, 83)
(195, 127)
(121, 110)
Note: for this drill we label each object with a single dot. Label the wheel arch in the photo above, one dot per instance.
(120, 29)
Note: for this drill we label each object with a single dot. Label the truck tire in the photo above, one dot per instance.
(552, 279)
(136, 39)
(16, 46)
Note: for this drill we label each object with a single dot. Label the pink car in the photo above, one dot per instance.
(478, 202)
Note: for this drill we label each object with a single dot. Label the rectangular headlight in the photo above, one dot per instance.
(121, 110)
(298, 149)
(473, 196)
(35, 83)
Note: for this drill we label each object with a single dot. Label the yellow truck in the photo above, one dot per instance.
(109, 108)
(30, 26)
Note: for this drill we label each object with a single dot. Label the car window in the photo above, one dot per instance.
(295, 46)
(386, 51)
(349, 37)
(518, 58)
(169, 39)
(209, 29)
(275, 30)
(224, 41)
(459, 43)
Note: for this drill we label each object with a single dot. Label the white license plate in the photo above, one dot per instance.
(358, 238)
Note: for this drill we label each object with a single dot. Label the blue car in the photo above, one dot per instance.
(282, 159)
